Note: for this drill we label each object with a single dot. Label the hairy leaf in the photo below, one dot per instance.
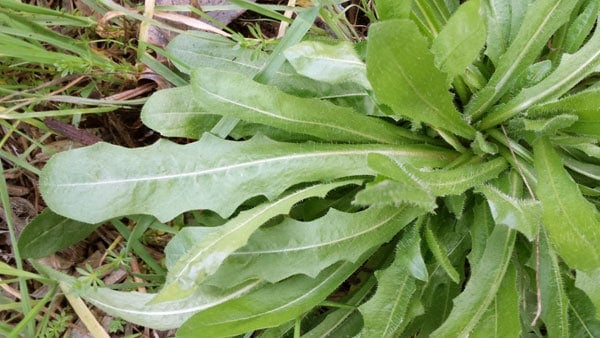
(49, 233)
(572, 222)
(440, 254)
(295, 247)
(580, 28)
(166, 179)
(401, 70)
(205, 257)
(555, 304)
(571, 70)
(521, 215)
(588, 282)
(461, 39)
(269, 306)
(233, 95)
(138, 308)
(328, 63)
(385, 312)
(483, 286)
(542, 19)
(584, 318)
(390, 192)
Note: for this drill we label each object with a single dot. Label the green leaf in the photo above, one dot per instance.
(551, 125)
(328, 63)
(518, 214)
(390, 192)
(481, 290)
(233, 95)
(502, 317)
(393, 9)
(138, 308)
(440, 254)
(385, 312)
(206, 256)
(555, 304)
(49, 233)
(166, 179)
(584, 105)
(572, 69)
(401, 70)
(461, 39)
(295, 247)
(588, 282)
(269, 306)
(480, 230)
(542, 19)
(583, 315)
(571, 221)
(580, 28)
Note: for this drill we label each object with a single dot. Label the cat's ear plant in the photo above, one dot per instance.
(443, 181)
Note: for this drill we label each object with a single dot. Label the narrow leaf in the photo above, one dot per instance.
(555, 304)
(580, 28)
(584, 318)
(542, 19)
(234, 95)
(205, 257)
(571, 221)
(166, 179)
(385, 312)
(389, 192)
(401, 70)
(521, 215)
(440, 255)
(49, 233)
(328, 63)
(260, 309)
(571, 70)
(588, 282)
(295, 247)
(461, 39)
(483, 286)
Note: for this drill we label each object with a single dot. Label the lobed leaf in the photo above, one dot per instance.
(166, 179)
(385, 312)
(542, 19)
(233, 95)
(571, 221)
(260, 309)
(295, 247)
(328, 63)
(206, 255)
(461, 39)
(481, 289)
(401, 70)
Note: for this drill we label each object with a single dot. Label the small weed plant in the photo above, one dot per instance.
(439, 178)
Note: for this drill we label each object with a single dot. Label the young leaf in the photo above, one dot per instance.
(440, 254)
(571, 70)
(401, 70)
(294, 247)
(580, 28)
(555, 304)
(461, 39)
(138, 308)
(385, 312)
(49, 233)
(502, 317)
(389, 192)
(483, 286)
(521, 215)
(205, 257)
(234, 95)
(328, 63)
(542, 19)
(571, 221)
(269, 306)
(166, 179)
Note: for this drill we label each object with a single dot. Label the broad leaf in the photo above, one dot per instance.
(521, 215)
(393, 9)
(461, 39)
(401, 70)
(385, 312)
(571, 221)
(269, 306)
(588, 282)
(571, 70)
(502, 317)
(328, 63)
(542, 19)
(234, 95)
(49, 233)
(295, 247)
(205, 257)
(166, 179)
(138, 308)
(481, 290)
(583, 316)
